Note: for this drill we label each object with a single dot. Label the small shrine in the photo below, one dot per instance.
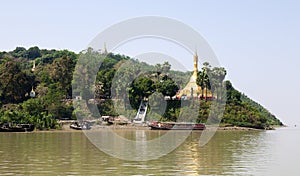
(32, 93)
(33, 66)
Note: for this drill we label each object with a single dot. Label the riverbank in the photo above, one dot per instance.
(66, 127)
(237, 128)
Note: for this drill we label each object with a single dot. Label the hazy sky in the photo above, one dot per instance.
(256, 41)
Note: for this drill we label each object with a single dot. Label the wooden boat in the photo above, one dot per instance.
(18, 128)
(81, 126)
(176, 126)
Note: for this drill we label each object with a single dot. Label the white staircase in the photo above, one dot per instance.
(141, 114)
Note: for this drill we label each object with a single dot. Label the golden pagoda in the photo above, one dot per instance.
(192, 89)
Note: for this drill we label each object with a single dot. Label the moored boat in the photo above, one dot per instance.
(176, 126)
(17, 128)
(81, 126)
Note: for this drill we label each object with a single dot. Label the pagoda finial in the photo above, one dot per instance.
(195, 64)
(104, 49)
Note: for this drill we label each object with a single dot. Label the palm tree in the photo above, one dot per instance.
(201, 82)
(218, 75)
(221, 77)
(166, 67)
(203, 79)
(158, 69)
(207, 85)
(213, 81)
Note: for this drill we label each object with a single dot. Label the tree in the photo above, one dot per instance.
(158, 70)
(203, 79)
(167, 87)
(33, 106)
(123, 77)
(85, 72)
(20, 52)
(141, 88)
(213, 81)
(103, 83)
(14, 83)
(218, 75)
(144, 86)
(62, 72)
(233, 96)
(34, 52)
(166, 67)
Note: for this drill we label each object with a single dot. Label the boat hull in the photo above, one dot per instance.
(18, 128)
(81, 126)
(177, 126)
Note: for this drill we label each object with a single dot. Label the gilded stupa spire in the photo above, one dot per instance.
(192, 89)
(195, 73)
(104, 49)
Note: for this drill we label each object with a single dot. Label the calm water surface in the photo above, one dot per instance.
(228, 153)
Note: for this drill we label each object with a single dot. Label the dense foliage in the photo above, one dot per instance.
(50, 79)
(120, 81)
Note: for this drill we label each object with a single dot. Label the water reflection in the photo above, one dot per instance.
(71, 153)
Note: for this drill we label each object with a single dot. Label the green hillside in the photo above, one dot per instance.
(52, 79)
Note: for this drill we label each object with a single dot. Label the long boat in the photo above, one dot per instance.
(17, 128)
(176, 126)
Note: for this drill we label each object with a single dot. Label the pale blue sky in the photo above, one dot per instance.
(257, 41)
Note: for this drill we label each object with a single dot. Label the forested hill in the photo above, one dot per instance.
(242, 111)
(49, 73)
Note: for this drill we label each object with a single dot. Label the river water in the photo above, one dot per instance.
(228, 153)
